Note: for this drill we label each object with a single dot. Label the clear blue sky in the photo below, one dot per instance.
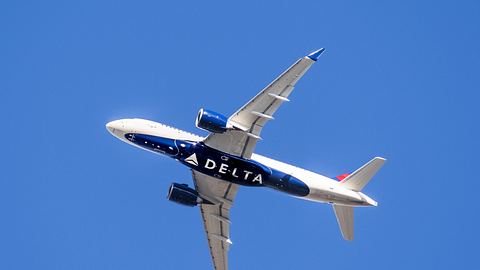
(398, 79)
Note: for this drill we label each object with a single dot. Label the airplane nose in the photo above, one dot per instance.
(113, 126)
(110, 127)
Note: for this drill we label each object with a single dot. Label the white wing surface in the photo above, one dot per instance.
(216, 217)
(250, 119)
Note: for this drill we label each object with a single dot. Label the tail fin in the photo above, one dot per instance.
(357, 180)
(344, 216)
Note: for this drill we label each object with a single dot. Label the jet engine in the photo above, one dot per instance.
(212, 121)
(183, 194)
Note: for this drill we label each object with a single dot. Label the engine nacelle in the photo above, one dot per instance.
(183, 194)
(212, 121)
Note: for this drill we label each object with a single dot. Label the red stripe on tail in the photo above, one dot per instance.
(342, 176)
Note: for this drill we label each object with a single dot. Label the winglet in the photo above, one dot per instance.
(316, 54)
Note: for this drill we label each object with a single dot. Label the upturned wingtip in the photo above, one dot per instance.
(316, 54)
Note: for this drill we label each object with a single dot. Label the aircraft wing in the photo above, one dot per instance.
(216, 217)
(249, 120)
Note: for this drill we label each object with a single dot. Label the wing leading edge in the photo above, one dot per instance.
(251, 118)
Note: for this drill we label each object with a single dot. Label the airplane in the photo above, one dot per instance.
(224, 160)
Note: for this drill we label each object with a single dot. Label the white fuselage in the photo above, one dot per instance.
(322, 189)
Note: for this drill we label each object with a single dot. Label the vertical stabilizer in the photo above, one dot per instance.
(357, 180)
(344, 216)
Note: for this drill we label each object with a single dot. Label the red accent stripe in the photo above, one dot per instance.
(342, 176)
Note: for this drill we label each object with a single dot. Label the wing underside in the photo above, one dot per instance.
(251, 118)
(247, 125)
(216, 217)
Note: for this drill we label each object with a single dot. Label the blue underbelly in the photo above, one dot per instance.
(214, 163)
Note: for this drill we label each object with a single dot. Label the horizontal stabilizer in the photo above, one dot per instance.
(344, 216)
(357, 180)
